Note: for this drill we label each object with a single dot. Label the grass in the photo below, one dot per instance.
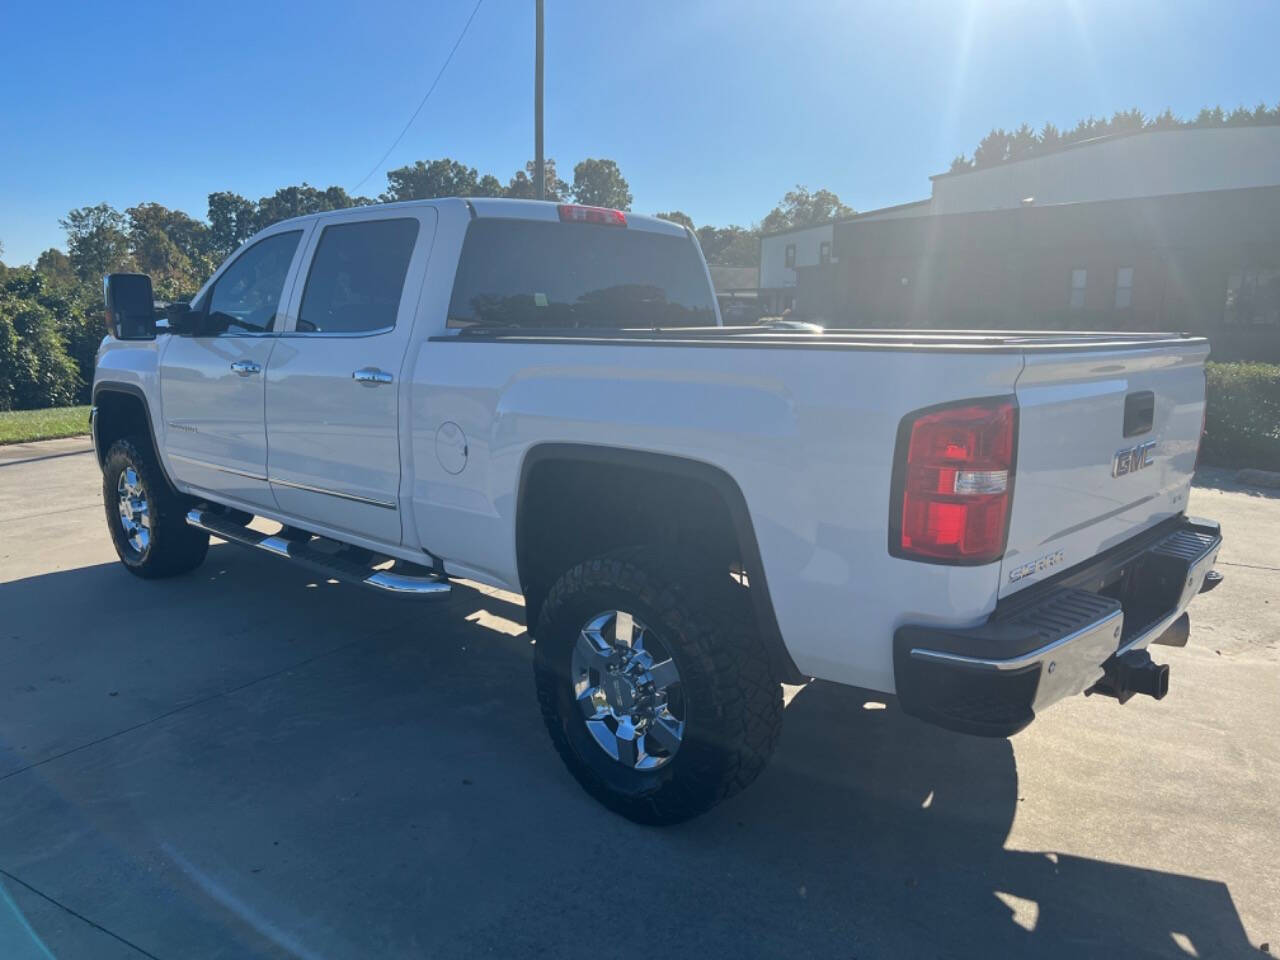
(23, 426)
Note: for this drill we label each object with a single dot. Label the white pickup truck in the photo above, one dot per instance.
(541, 397)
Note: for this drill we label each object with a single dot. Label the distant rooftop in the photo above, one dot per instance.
(1105, 138)
(897, 208)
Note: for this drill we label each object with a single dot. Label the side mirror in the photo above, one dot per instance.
(182, 320)
(131, 307)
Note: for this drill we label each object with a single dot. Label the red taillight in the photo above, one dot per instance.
(577, 213)
(954, 483)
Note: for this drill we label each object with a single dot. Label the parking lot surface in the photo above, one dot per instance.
(249, 762)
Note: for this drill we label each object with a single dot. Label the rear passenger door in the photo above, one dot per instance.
(334, 386)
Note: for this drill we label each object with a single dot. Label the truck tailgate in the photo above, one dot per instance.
(1107, 442)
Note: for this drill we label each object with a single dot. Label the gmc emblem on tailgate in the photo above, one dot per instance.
(1133, 459)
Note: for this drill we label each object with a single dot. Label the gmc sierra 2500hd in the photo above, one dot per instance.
(541, 397)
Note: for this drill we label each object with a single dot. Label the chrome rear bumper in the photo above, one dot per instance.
(1054, 640)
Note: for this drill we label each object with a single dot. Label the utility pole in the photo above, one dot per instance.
(539, 165)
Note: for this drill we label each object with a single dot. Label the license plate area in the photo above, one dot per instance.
(1148, 589)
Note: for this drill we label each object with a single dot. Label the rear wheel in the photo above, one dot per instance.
(147, 517)
(655, 688)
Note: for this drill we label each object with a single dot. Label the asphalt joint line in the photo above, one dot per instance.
(79, 916)
(1251, 566)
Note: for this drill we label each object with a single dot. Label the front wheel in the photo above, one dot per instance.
(146, 517)
(656, 689)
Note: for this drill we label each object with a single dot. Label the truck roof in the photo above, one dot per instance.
(501, 208)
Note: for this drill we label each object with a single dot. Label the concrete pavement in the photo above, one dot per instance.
(248, 762)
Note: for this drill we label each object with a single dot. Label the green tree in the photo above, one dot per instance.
(301, 200)
(489, 186)
(599, 183)
(55, 266)
(35, 370)
(1023, 143)
(171, 247)
(96, 241)
(1209, 117)
(1240, 116)
(521, 185)
(423, 181)
(677, 216)
(231, 222)
(1128, 121)
(1050, 138)
(802, 208)
(1086, 130)
(730, 246)
(992, 149)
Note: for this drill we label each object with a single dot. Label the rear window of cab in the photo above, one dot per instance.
(547, 275)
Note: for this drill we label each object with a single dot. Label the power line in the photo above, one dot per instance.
(423, 102)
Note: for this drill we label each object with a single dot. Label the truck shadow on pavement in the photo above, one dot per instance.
(246, 762)
(1224, 480)
(913, 821)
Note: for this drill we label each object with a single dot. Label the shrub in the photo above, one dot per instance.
(1242, 426)
(35, 368)
(82, 328)
(49, 335)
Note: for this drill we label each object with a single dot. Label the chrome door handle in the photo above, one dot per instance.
(371, 376)
(246, 367)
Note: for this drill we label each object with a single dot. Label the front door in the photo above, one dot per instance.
(334, 380)
(212, 380)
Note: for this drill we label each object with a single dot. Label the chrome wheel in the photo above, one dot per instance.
(135, 510)
(628, 689)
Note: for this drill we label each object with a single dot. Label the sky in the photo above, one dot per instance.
(713, 107)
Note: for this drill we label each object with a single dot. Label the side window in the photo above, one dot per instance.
(1079, 283)
(824, 251)
(247, 295)
(1253, 296)
(1124, 288)
(532, 273)
(789, 256)
(357, 276)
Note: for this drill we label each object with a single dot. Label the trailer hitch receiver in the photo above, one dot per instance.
(1131, 673)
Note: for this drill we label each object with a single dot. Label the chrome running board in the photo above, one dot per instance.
(333, 565)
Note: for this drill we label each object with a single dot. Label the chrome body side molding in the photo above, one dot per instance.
(340, 494)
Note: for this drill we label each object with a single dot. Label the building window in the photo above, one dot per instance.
(791, 256)
(1253, 297)
(824, 251)
(1124, 288)
(1079, 280)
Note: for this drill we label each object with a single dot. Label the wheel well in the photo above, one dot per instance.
(119, 413)
(578, 502)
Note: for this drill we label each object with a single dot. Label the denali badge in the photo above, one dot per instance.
(1033, 567)
(1133, 459)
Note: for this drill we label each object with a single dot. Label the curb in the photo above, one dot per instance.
(1259, 478)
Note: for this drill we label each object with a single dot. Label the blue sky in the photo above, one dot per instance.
(715, 108)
